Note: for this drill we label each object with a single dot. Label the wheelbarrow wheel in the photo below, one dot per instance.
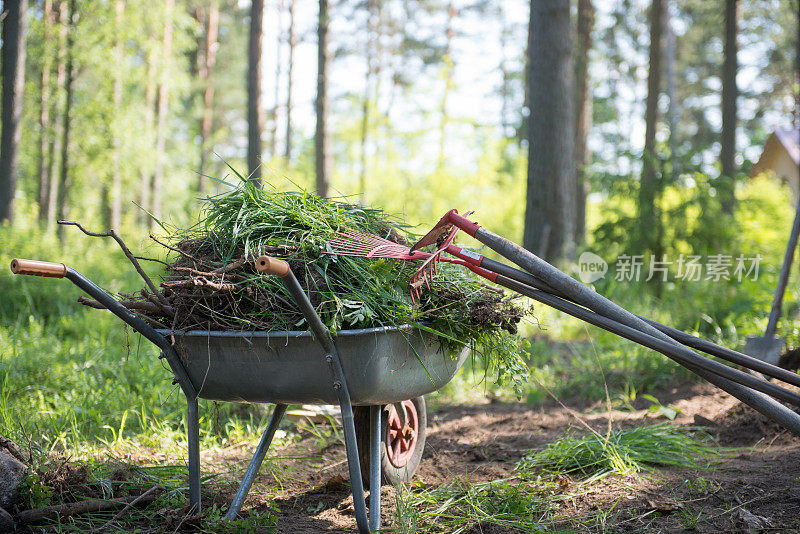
(401, 447)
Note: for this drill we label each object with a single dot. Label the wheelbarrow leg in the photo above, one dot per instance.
(193, 442)
(375, 467)
(353, 463)
(255, 463)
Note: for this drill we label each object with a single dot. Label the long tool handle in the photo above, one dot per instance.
(687, 358)
(38, 268)
(783, 278)
(754, 364)
(274, 266)
(577, 292)
(270, 265)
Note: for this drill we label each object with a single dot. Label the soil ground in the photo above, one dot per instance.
(755, 486)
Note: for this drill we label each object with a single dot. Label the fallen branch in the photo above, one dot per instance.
(216, 272)
(127, 507)
(176, 249)
(128, 254)
(81, 507)
(199, 282)
(141, 305)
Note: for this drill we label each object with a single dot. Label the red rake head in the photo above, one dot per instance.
(352, 243)
(425, 273)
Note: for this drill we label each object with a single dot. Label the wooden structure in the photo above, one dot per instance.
(780, 158)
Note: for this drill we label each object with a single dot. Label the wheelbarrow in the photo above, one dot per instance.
(362, 371)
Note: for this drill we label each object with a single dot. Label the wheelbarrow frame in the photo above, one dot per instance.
(366, 523)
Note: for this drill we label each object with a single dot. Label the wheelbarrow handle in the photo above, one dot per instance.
(269, 265)
(38, 268)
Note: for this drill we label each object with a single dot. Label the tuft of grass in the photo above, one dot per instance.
(627, 451)
(512, 503)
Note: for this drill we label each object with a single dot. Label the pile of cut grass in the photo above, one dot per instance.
(628, 451)
(210, 282)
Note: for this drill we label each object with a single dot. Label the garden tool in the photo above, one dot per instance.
(548, 285)
(768, 348)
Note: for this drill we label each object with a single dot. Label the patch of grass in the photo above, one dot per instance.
(525, 505)
(628, 451)
(53, 480)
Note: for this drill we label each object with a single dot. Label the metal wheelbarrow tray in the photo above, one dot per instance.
(382, 365)
(378, 366)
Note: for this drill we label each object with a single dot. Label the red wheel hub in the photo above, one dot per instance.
(401, 440)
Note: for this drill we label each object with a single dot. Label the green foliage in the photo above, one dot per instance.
(460, 506)
(626, 451)
(214, 522)
(34, 493)
(693, 224)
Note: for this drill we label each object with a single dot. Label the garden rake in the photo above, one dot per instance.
(542, 282)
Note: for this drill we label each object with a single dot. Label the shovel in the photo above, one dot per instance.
(768, 348)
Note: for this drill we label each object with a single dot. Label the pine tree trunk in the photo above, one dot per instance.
(583, 114)
(505, 93)
(116, 168)
(56, 140)
(279, 42)
(162, 107)
(366, 99)
(111, 194)
(448, 83)
(254, 114)
(207, 79)
(549, 214)
(730, 92)
(650, 181)
(289, 80)
(45, 131)
(13, 53)
(149, 119)
(321, 139)
(672, 109)
(62, 201)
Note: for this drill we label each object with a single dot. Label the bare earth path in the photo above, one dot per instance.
(756, 486)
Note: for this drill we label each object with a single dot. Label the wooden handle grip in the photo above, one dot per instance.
(38, 268)
(270, 265)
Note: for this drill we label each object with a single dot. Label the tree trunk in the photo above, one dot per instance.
(583, 114)
(279, 41)
(730, 92)
(650, 181)
(55, 141)
(207, 79)
(448, 82)
(45, 132)
(66, 121)
(549, 214)
(289, 80)
(505, 93)
(366, 99)
(162, 107)
(149, 118)
(672, 109)
(13, 53)
(254, 115)
(321, 139)
(112, 197)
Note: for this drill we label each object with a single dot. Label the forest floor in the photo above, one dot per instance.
(753, 486)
